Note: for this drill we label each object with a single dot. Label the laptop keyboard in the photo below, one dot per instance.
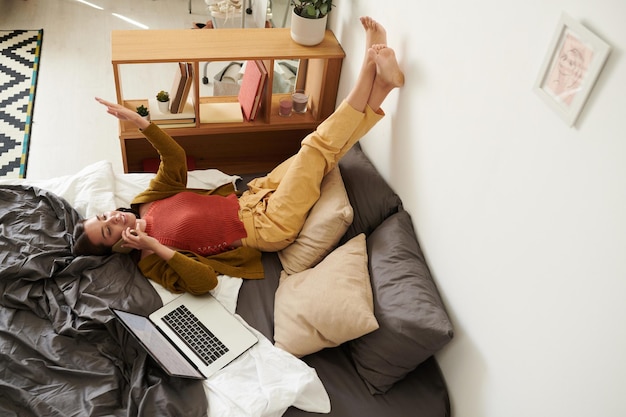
(197, 337)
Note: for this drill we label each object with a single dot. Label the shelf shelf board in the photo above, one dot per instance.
(185, 45)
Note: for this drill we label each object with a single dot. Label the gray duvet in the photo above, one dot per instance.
(61, 351)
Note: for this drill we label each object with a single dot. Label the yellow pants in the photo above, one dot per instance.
(275, 207)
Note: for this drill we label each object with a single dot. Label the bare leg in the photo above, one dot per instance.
(388, 75)
(297, 182)
(380, 72)
(360, 93)
(374, 34)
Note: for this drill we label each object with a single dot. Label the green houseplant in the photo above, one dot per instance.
(308, 20)
(312, 9)
(143, 111)
(163, 96)
(163, 100)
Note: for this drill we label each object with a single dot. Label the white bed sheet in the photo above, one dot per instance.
(264, 381)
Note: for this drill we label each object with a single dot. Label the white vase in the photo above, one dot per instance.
(164, 106)
(307, 32)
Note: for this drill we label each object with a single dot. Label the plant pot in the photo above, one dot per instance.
(164, 106)
(307, 32)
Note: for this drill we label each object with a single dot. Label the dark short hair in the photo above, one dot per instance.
(82, 244)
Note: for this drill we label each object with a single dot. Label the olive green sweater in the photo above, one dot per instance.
(187, 271)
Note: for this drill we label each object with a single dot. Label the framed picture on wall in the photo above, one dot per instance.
(570, 69)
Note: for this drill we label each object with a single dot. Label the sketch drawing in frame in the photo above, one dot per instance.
(570, 69)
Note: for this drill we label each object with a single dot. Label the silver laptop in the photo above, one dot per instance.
(191, 336)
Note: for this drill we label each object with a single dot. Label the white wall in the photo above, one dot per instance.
(522, 218)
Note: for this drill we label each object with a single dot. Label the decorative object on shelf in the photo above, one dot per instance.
(300, 101)
(285, 106)
(143, 112)
(308, 21)
(163, 100)
(224, 9)
(570, 69)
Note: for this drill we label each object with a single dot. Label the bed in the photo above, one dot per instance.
(346, 327)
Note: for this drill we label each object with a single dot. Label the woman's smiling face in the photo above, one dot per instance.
(106, 228)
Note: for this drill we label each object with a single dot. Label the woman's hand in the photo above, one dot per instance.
(138, 239)
(124, 114)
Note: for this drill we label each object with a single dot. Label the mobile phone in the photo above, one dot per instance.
(118, 245)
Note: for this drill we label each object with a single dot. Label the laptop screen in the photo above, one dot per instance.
(164, 352)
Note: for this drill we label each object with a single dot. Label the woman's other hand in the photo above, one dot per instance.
(124, 113)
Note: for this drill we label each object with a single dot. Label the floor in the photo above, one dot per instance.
(70, 129)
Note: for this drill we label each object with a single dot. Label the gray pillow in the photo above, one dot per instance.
(412, 318)
(371, 198)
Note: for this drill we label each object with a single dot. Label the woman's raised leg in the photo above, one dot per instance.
(298, 185)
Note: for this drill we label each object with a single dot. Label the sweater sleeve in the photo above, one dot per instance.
(180, 274)
(189, 272)
(172, 174)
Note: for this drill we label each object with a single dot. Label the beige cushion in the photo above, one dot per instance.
(326, 305)
(327, 222)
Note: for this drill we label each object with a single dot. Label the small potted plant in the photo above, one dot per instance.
(163, 100)
(308, 20)
(143, 111)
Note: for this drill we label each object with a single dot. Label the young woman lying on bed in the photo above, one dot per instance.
(186, 237)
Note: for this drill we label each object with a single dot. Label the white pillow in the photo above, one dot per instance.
(90, 191)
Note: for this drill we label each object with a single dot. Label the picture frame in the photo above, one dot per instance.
(570, 69)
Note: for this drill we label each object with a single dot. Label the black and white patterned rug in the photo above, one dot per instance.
(19, 64)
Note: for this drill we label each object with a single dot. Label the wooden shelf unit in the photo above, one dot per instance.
(235, 148)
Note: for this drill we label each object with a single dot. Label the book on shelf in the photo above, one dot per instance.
(176, 92)
(171, 122)
(183, 80)
(252, 84)
(177, 125)
(187, 88)
(158, 118)
(222, 112)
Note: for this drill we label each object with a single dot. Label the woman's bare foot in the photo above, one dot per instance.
(388, 71)
(380, 72)
(375, 33)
